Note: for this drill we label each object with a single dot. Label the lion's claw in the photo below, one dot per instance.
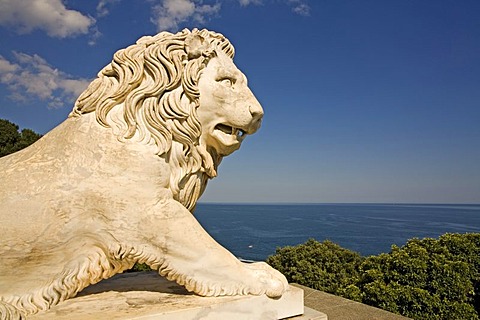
(273, 282)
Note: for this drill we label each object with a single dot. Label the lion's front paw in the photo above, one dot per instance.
(268, 280)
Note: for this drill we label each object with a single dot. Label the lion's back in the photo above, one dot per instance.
(29, 186)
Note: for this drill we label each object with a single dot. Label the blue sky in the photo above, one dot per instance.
(365, 101)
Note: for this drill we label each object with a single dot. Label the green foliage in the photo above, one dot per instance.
(424, 279)
(139, 267)
(11, 140)
(323, 266)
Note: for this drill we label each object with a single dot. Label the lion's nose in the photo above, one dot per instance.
(257, 114)
(256, 111)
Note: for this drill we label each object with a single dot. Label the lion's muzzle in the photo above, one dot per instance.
(256, 111)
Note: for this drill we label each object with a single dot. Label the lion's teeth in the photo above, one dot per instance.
(234, 131)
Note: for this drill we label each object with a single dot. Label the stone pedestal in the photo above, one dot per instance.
(147, 296)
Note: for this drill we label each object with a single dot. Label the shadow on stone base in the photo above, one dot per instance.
(147, 296)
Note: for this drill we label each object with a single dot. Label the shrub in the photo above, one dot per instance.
(320, 265)
(11, 140)
(137, 267)
(424, 279)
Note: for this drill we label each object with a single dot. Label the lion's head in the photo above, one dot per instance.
(184, 93)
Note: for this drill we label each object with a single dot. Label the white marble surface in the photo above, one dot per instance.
(147, 296)
(117, 182)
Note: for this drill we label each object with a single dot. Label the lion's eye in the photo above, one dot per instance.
(227, 82)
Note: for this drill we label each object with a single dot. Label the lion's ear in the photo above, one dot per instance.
(195, 46)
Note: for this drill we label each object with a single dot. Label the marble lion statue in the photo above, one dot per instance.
(117, 182)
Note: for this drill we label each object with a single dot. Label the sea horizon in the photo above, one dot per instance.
(340, 203)
(253, 231)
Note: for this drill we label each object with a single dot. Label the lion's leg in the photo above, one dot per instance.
(60, 273)
(191, 257)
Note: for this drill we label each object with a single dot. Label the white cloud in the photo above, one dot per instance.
(300, 7)
(94, 36)
(49, 15)
(102, 7)
(6, 67)
(169, 13)
(31, 77)
(248, 2)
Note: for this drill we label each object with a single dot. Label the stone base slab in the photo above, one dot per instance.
(147, 296)
(310, 314)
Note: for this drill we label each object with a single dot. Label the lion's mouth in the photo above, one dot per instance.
(239, 133)
(228, 138)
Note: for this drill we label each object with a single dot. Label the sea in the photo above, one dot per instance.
(255, 231)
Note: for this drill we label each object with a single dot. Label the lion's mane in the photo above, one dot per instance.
(154, 85)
